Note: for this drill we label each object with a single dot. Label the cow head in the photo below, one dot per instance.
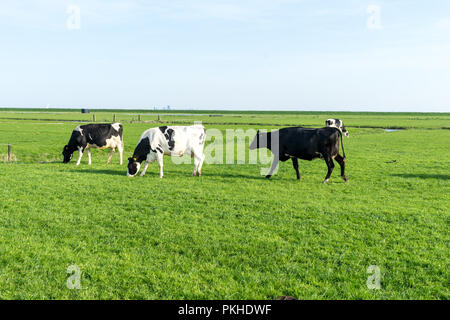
(133, 167)
(338, 124)
(67, 153)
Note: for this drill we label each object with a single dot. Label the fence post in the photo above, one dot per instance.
(93, 117)
(114, 117)
(9, 152)
(159, 117)
(139, 117)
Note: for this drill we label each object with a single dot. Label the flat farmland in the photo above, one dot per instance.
(230, 234)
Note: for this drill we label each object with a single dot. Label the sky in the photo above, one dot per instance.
(328, 55)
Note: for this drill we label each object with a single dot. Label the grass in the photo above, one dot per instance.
(230, 234)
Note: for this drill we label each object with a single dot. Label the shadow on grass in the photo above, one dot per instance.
(232, 175)
(185, 173)
(422, 176)
(102, 171)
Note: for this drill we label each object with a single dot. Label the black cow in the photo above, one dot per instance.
(99, 136)
(302, 143)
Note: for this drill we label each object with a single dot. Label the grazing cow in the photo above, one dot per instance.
(99, 136)
(302, 143)
(174, 141)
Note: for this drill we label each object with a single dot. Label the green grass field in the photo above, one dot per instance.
(230, 234)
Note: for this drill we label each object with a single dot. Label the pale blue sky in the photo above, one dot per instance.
(246, 54)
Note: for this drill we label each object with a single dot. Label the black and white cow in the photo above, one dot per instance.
(99, 136)
(302, 143)
(336, 123)
(174, 141)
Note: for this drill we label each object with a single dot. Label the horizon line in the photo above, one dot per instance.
(230, 109)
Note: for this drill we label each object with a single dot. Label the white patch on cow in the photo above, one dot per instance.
(329, 122)
(113, 142)
(79, 130)
(116, 126)
(338, 124)
(151, 156)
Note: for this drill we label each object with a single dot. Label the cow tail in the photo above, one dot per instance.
(342, 143)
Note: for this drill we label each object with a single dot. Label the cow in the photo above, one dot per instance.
(173, 141)
(98, 136)
(303, 143)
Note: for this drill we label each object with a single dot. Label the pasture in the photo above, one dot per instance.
(230, 234)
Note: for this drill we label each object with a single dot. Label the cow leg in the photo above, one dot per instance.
(145, 168)
(160, 164)
(80, 154)
(88, 151)
(199, 170)
(295, 163)
(341, 162)
(110, 155)
(196, 164)
(330, 165)
(274, 165)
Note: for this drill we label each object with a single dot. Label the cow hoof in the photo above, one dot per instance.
(345, 178)
(268, 176)
(326, 181)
